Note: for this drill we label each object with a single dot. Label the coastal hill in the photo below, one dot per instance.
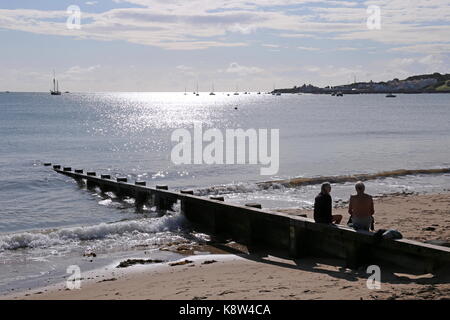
(425, 83)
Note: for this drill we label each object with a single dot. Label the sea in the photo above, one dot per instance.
(48, 222)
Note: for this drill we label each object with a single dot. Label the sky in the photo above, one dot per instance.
(170, 45)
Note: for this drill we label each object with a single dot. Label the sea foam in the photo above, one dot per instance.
(132, 228)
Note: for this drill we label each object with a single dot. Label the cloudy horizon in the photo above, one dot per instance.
(153, 45)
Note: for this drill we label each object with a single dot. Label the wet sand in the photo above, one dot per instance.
(274, 276)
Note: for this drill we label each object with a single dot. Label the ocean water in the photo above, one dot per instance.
(47, 221)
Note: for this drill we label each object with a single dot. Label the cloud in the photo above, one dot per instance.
(200, 24)
(236, 68)
(184, 68)
(428, 63)
(269, 45)
(81, 70)
(244, 29)
(308, 48)
(345, 49)
(77, 73)
(434, 62)
(429, 48)
(297, 35)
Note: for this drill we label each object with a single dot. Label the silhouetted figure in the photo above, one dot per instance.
(361, 209)
(323, 207)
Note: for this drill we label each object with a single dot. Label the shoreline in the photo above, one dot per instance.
(287, 91)
(242, 275)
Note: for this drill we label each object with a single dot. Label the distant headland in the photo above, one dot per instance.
(425, 83)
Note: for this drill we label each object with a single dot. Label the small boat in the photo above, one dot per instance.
(278, 93)
(390, 95)
(339, 94)
(259, 92)
(237, 91)
(55, 91)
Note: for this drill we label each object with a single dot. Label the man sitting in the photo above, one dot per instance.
(323, 207)
(361, 208)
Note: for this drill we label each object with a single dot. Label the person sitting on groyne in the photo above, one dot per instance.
(323, 207)
(361, 208)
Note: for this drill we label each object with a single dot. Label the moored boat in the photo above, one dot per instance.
(55, 91)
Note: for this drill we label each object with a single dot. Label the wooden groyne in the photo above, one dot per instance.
(254, 226)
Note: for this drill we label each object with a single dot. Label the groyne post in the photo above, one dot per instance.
(104, 187)
(161, 201)
(89, 183)
(120, 191)
(140, 197)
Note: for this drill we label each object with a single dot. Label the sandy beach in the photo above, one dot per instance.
(273, 276)
(424, 217)
(159, 150)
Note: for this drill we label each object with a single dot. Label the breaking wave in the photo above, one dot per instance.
(228, 189)
(134, 228)
(351, 178)
(305, 181)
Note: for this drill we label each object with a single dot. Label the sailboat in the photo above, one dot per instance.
(55, 91)
(236, 93)
(212, 91)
